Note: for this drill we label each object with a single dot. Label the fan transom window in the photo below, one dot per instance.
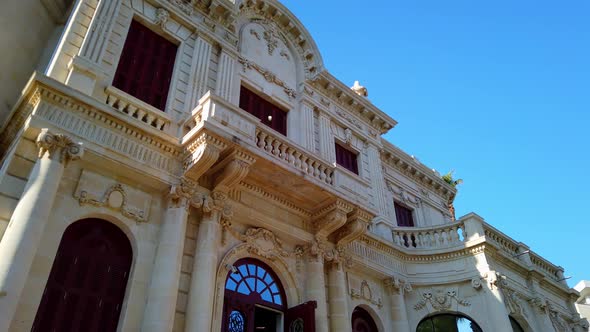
(252, 279)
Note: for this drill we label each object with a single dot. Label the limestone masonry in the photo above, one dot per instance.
(192, 166)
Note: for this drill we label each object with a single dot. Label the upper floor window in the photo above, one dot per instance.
(346, 158)
(403, 215)
(145, 67)
(269, 114)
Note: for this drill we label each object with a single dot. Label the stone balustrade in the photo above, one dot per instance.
(293, 156)
(137, 109)
(506, 244)
(438, 237)
(550, 270)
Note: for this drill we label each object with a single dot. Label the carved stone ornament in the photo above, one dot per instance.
(162, 16)
(359, 89)
(183, 195)
(58, 147)
(261, 242)
(440, 300)
(557, 319)
(365, 293)
(476, 283)
(184, 6)
(268, 76)
(348, 136)
(320, 249)
(539, 303)
(398, 285)
(115, 198)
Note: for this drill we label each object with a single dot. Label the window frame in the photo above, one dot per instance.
(412, 213)
(354, 152)
(276, 108)
(172, 39)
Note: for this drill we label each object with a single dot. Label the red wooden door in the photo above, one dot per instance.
(301, 318)
(87, 283)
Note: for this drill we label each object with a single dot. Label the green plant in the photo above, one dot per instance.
(448, 178)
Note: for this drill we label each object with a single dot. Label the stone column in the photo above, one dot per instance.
(399, 315)
(161, 303)
(305, 126)
(340, 319)
(202, 291)
(21, 240)
(316, 289)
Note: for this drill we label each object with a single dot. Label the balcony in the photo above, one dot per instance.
(282, 167)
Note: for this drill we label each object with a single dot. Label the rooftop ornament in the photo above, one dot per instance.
(359, 89)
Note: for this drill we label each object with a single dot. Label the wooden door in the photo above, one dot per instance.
(88, 279)
(301, 318)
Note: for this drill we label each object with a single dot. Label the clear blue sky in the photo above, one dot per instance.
(497, 90)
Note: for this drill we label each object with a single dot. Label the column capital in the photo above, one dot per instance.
(181, 195)
(397, 285)
(58, 147)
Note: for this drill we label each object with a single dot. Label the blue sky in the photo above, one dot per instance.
(497, 90)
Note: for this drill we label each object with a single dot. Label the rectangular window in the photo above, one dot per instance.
(346, 159)
(269, 114)
(146, 65)
(403, 215)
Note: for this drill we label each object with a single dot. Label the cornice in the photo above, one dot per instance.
(359, 107)
(400, 161)
(47, 90)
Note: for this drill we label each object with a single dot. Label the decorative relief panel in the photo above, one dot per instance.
(263, 44)
(440, 299)
(97, 190)
(261, 242)
(364, 290)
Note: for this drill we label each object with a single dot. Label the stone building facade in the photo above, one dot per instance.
(192, 166)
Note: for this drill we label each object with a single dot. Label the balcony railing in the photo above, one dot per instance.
(137, 109)
(293, 156)
(438, 237)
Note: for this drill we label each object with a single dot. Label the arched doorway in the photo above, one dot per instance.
(448, 323)
(87, 283)
(254, 298)
(362, 321)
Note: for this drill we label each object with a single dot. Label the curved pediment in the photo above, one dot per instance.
(281, 27)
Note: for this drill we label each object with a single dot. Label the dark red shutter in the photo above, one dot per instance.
(346, 159)
(403, 215)
(263, 109)
(146, 66)
(87, 283)
(302, 314)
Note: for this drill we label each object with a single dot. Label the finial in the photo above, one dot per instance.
(359, 89)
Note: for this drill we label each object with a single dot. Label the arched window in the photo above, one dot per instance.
(448, 323)
(515, 325)
(87, 283)
(362, 321)
(254, 298)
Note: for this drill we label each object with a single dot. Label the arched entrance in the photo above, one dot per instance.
(254, 300)
(448, 323)
(362, 321)
(87, 283)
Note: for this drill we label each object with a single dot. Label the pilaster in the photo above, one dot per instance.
(376, 176)
(27, 224)
(397, 288)
(226, 77)
(161, 302)
(327, 149)
(201, 61)
(306, 127)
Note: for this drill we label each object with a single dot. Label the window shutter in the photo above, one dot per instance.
(146, 66)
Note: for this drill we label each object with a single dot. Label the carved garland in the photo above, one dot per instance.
(261, 242)
(268, 76)
(440, 300)
(115, 198)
